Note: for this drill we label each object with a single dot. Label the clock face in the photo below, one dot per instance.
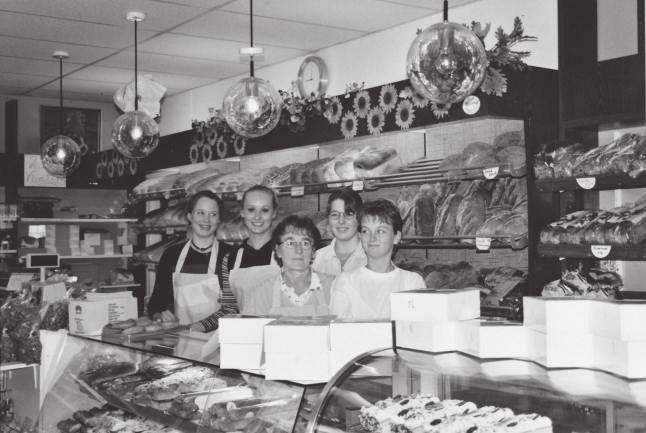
(312, 77)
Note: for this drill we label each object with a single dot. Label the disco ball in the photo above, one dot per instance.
(135, 134)
(252, 107)
(60, 155)
(446, 62)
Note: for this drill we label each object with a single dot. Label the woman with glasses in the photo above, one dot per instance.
(191, 284)
(296, 290)
(345, 252)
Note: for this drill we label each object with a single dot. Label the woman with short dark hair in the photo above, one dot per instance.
(296, 290)
(191, 284)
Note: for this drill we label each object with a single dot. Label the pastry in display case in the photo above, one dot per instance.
(405, 391)
(101, 386)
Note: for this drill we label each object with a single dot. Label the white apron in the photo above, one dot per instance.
(245, 278)
(321, 309)
(196, 295)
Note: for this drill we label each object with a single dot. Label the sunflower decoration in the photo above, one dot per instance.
(334, 111)
(376, 121)
(211, 134)
(198, 134)
(388, 98)
(239, 145)
(405, 114)
(221, 148)
(361, 104)
(349, 125)
(440, 110)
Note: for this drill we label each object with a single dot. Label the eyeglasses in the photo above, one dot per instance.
(203, 214)
(306, 244)
(338, 215)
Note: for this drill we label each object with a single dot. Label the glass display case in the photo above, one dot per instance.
(402, 391)
(165, 383)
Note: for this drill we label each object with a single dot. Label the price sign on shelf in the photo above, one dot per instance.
(297, 191)
(169, 230)
(490, 172)
(483, 244)
(586, 182)
(600, 251)
(357, 185)
(334, 185)
(239, 195)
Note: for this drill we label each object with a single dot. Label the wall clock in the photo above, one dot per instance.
(312, 77)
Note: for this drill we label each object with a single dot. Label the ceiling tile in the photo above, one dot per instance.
(49, 68)
(201, 48)
(235, 27)
(159, 15)
(15, 47)
(176, 65)
(66, 31)
(431, 5)
(360, 15)
(24, 81)
(119, 77)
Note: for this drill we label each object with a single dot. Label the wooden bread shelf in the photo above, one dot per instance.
(599, 182)
(615, 252)
(77, 220)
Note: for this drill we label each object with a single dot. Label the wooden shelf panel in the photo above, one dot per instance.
(601, 182)
(617, 252)
(99, 256)
(77, 220)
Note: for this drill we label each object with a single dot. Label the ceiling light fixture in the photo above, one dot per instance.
(60, 154)
(135, 134)
(446, 62)
(251, 107)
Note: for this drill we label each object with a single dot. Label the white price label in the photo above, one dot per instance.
(348, 183)
(586, 182)
(169, 230)
(239, 195)
(357, 185)
(334, 185)
(297, 191)
(490, 172)
(483, 244)
(600, 251)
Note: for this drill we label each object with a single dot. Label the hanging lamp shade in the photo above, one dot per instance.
(252, 107)
(60, 154)
(446, 62)
(135, 134)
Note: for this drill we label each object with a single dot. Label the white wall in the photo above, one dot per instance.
(29, 124)
(616, 28)
(380, 57)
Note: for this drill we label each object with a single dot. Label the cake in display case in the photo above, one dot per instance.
(404, 391)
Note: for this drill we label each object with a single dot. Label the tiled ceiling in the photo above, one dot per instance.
(183, 44)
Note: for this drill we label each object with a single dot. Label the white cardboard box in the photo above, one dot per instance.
(557, 314)
(298, 365)
(435, 305)
(89, 317)
(242, 330)
(297, 335)
(622, 320)
(496, 339)
(361, 336)
(432, 337)
(241, 356)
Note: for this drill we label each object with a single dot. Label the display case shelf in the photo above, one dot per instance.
(8, 366)
(606, 252)
(98, 256)
(599, 182)
(77, 220)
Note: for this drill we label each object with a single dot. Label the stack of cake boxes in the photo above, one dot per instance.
(590, 333)
(297, 348)
(447, 320)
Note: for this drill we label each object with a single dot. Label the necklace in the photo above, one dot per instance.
(201, 250)
(300, 300)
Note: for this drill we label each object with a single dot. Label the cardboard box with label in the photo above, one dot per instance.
(435, 305)
(89, 316)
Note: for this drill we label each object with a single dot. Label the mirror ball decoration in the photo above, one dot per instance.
(252, 107)
(60, 155)
(135, 134)
(446, 62)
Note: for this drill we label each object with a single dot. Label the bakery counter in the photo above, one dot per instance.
(168, 383)
(407, 391)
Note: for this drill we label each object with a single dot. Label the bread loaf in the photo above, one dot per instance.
(281, 176)
(478, 154)
(509, 139)
(471, 213)
(446, 219)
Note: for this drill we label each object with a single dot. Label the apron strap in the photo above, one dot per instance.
(182, 257)
(212, 260)
(238, 261)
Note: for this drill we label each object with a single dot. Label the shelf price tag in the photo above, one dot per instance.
(357, 185)
(169, 230)
(490, 172)
(600, 251)
(586, 182)
(239, 195)
(483, 244)
(297, 191)
(334, 185)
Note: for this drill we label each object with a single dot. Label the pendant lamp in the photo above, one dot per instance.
(252, 107)
(446, 62)
(60, 154)
(135, 134)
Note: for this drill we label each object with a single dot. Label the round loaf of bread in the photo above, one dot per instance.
(153, 328)
(133, 330)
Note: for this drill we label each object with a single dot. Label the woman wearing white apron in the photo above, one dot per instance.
(254, 259)
(345, 252)
(296, 290)
(192, 278)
